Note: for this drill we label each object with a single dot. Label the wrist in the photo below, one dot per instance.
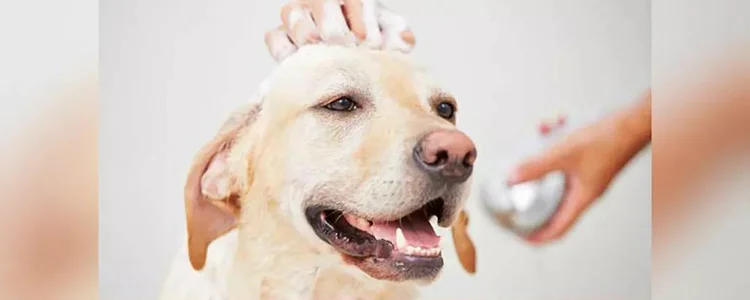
(634, 125)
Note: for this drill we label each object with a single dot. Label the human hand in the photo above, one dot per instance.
(364, 23)
(591, 158)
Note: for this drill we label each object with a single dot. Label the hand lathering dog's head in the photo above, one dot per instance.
(357, 149)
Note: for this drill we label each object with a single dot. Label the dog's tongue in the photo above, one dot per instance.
(416, 228)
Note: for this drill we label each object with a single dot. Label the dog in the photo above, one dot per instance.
(330, 184)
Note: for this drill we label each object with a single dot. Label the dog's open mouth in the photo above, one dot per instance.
(401, 249)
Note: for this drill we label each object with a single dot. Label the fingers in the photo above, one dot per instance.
(537, 167)
(560, 223)
(358, 22)
(373, 37)
(299, 24)
(279, 44)
(353, 12)
(331, 24)
(396, 32)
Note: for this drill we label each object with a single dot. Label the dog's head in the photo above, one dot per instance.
(356, 148)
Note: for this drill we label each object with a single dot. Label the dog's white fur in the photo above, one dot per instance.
(302, 154)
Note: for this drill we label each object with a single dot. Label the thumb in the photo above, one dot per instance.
(566, 216)
(278, 43)
(536, 167)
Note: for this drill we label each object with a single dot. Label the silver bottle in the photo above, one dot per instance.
(526, 207)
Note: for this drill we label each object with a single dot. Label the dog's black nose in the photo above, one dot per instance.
(447, 155)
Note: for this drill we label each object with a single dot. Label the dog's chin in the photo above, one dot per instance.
(399, 267)
(400, 249)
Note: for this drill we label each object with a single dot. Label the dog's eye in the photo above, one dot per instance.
(342, 104)
(445, 110)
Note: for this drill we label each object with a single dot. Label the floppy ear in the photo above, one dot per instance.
(211, 198)
(464, 246)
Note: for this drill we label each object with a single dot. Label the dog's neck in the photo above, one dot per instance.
(276, 262)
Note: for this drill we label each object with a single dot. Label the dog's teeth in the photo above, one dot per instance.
(400, 239)
(437, 229)
(363, 223)
(358, 222)
(420, 251)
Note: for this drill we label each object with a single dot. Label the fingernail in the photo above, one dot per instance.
(533, 241)
(514, 177)
(360, 34)
(313, 37)
(408, 37)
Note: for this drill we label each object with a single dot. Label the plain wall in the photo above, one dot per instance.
(171, 70)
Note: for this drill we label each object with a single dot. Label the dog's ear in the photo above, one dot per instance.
(464, 246)
(211, 197)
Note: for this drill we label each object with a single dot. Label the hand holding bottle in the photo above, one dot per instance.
(590, 157)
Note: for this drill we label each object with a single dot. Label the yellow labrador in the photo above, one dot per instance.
(331, 184)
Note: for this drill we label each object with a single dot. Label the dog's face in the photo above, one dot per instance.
(358, 149)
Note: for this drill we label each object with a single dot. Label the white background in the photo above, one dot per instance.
(171, 70)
